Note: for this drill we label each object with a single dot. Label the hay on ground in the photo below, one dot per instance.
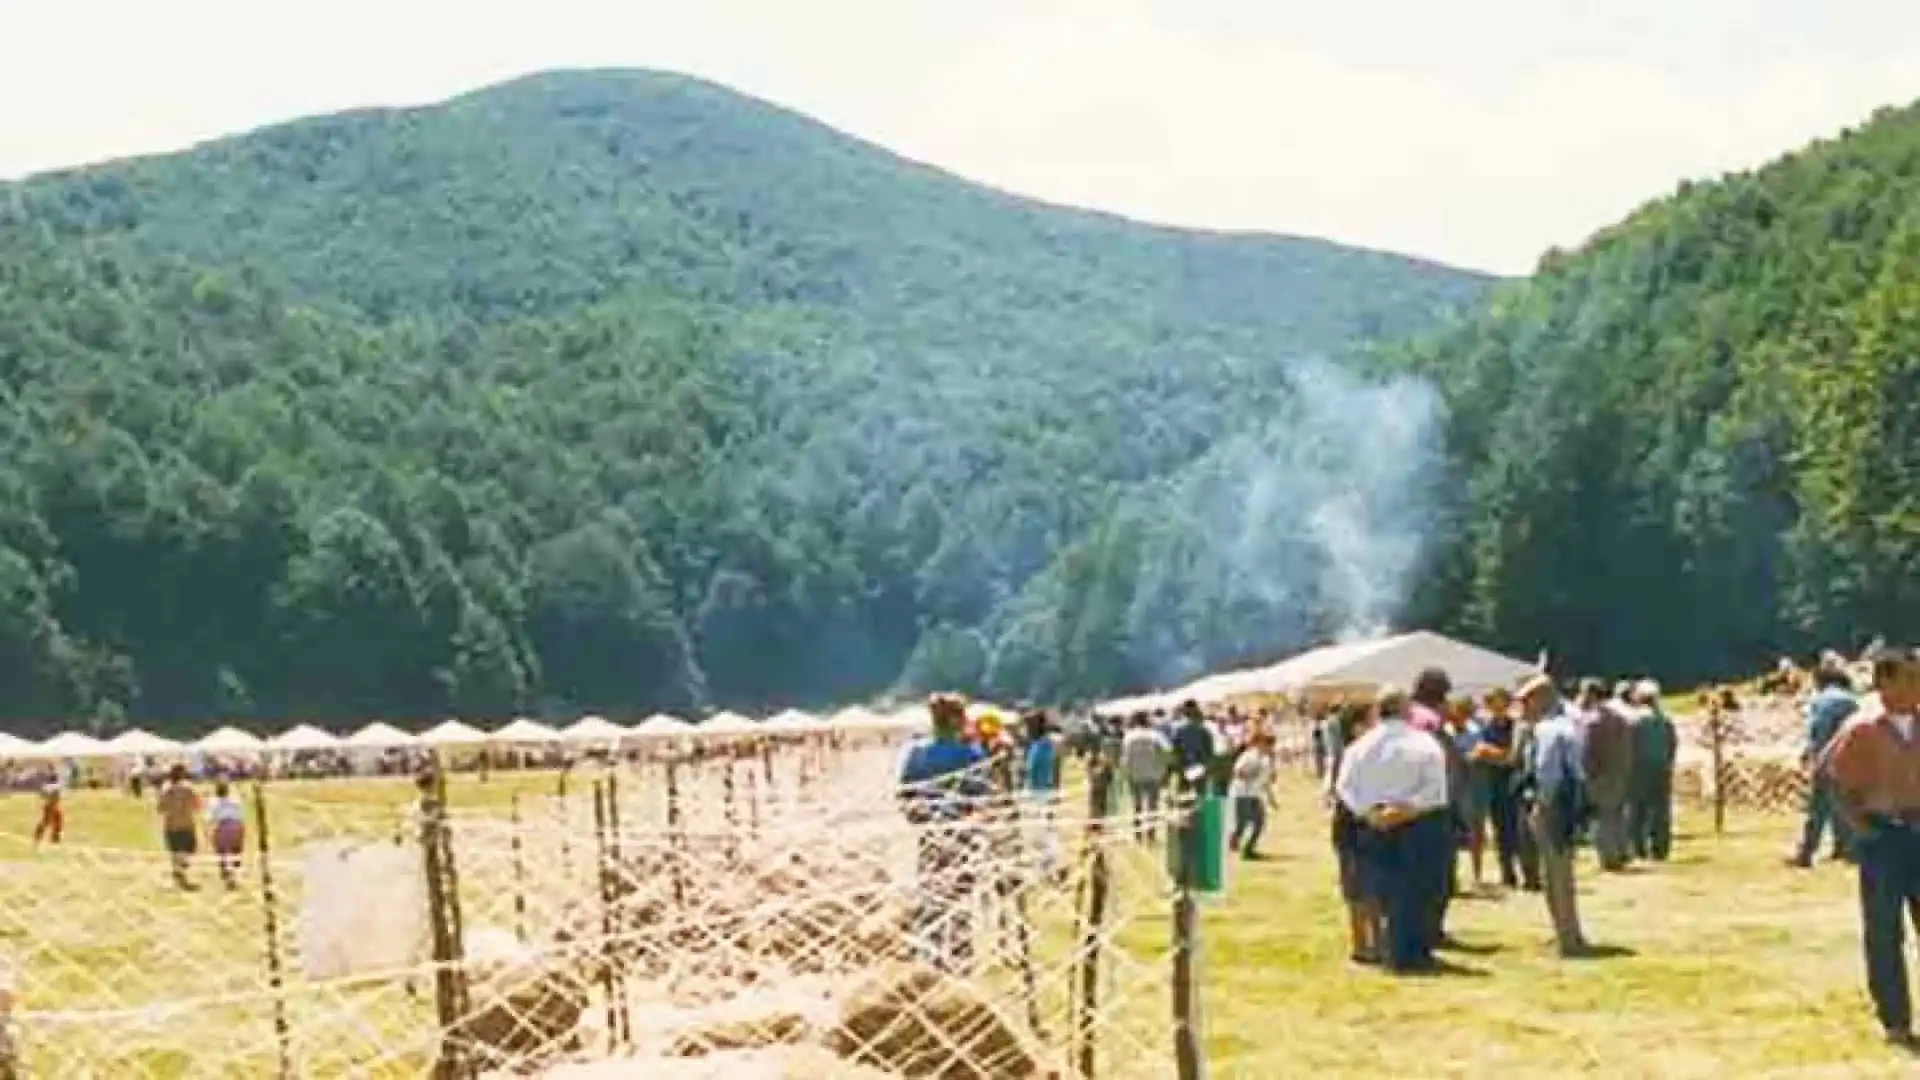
(927, 1026)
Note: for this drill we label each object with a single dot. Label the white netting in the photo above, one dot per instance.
(755, 911)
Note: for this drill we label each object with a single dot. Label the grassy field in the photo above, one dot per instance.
(1736, 966)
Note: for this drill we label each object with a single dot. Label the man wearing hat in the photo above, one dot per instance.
(1556, 765)
(1874, 764)
(1393, 779)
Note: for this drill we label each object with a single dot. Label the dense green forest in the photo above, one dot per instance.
(619, 391)
(1694, 443)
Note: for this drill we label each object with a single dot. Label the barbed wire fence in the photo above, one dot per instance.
(744, 909)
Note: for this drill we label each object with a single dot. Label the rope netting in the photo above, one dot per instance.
(750, 911)
(1760, 763)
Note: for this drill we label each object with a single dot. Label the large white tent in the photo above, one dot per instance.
(302, 738)
(1364, 665)
(380, 736)
(13, 746)
(138, 743)
(230, 740)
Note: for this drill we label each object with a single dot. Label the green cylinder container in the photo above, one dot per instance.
(1209, 845)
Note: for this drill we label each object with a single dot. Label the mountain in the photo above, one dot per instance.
(621, 391)
(1690, 446)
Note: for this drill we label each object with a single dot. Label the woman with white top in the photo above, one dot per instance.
(1251, 786)
(227, 824)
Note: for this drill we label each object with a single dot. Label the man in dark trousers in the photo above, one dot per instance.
(1875, 766)
(1393, 780)
(1427, 712)
(1194, 748)
(1608, 746)
(1656, 747)
(1829, 708)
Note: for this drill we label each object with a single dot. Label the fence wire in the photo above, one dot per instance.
(758, 910)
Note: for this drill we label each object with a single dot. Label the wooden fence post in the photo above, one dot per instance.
(1186, 1038)
(1716, 733)
(1093, 922)
(270, 908)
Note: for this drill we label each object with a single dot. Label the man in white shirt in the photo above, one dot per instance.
(1394, 780)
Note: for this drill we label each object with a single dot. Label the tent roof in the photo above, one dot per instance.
(727, 723)
(1396, 660)
(660, 724)
(379, 735)
(857, 716)
(524, 730)
(229, 740)
(303, 737)
(912, 718)
(72, 744)
(594, 729)
(795, 720)
(453, 733)
(141, 742)
(14, 745)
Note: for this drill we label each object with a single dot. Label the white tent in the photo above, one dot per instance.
(795, 722)
(727, 723)
(525, 732)
(915, 718)
(661, 726)
(302, 738)
(138, 743)
(1365, 665)
(857, 717)
(229, 740)
(453, 733)
(13, 746)
(380, 736)
(594, 729)
(1140, 703)
(70, 744)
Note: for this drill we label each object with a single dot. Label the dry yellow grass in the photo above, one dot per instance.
(1740, 967)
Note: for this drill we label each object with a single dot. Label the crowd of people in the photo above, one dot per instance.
(1418, 781)
(1419, 778)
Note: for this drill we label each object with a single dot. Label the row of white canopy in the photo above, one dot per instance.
(591, 731)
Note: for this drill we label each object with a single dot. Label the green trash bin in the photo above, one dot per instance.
(1209, 846)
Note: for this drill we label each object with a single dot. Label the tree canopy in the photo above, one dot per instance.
(1693, 444)
(617, 391)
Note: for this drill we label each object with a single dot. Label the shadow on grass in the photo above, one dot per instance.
(1601, 952)
(1441, 969)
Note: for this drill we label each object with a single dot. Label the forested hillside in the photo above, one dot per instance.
(618, 391)
(1695, 443)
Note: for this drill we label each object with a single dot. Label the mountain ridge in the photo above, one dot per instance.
(623, 394)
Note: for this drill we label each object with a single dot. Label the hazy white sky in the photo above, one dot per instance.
(1475, 131)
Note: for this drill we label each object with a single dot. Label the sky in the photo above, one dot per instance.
(1476, 132)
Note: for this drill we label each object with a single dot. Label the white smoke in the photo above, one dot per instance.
(1311, 526)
